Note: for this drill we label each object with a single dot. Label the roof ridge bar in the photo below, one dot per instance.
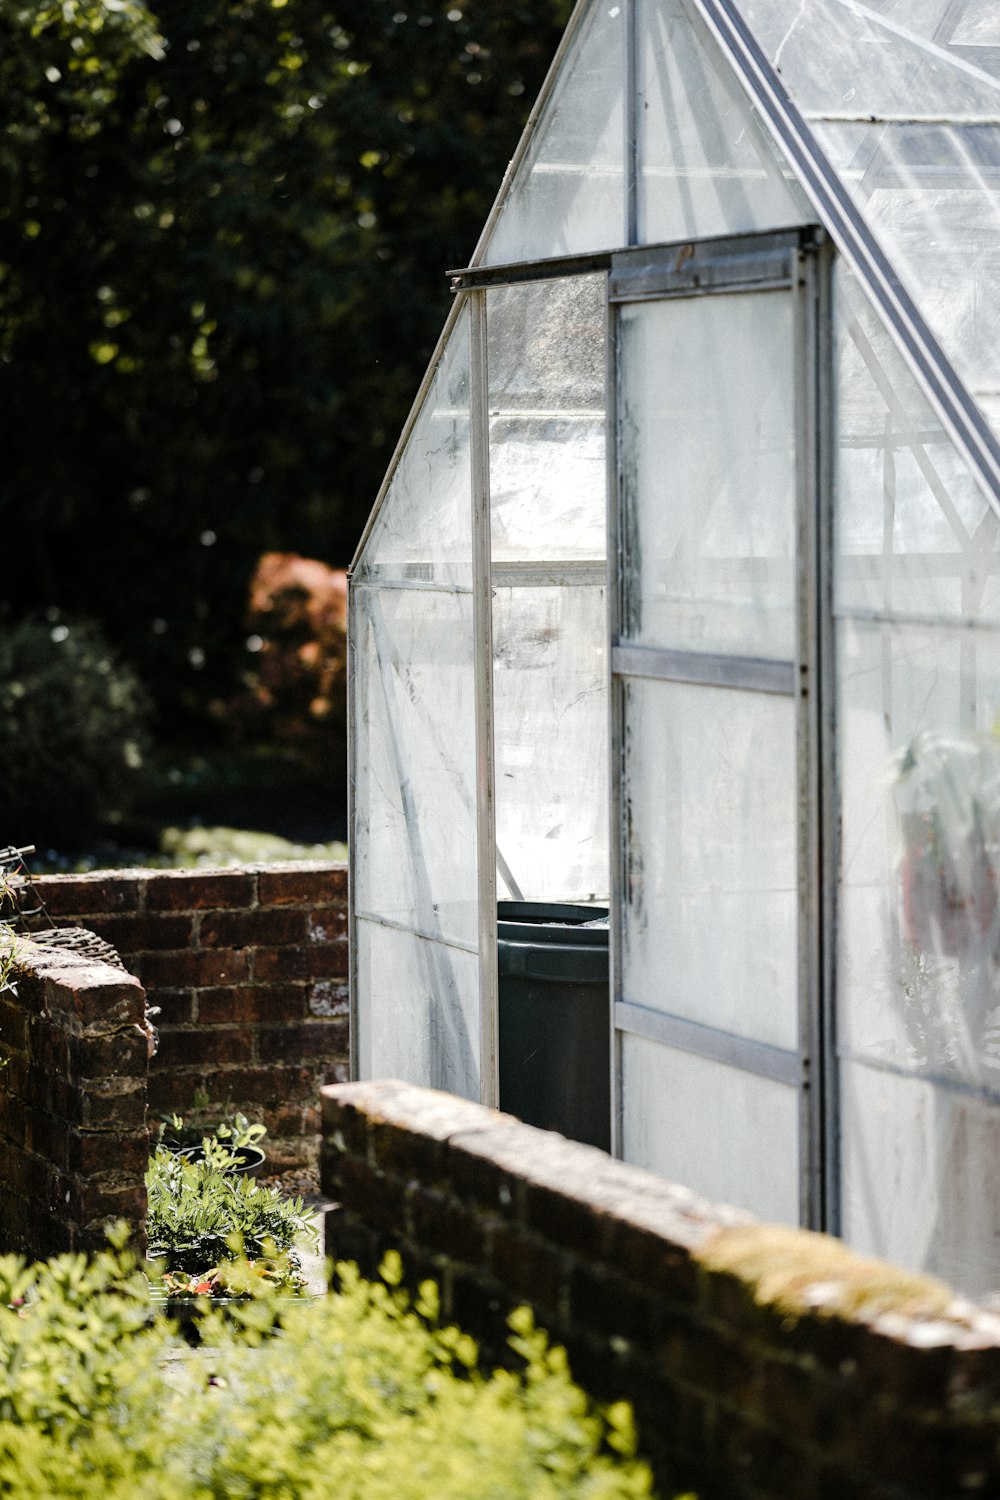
(855, 241)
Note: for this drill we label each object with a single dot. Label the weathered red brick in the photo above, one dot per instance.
(304, 883)
(259, 928)
(251, 1004)
(137, 932)
(186, 890)
(317, 961)
(196, 968)
(199, 1048)
(97, 1152)
(265, 1085)
(79, 896)
(312, 1040)
(121, 1054)
(176, 1007)
(327, 923)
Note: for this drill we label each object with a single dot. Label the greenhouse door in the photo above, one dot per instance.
(715, 985)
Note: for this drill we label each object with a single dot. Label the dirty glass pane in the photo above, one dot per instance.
(548, 481)
(919, 1163)
(709, 825)
(550, 733)
(915, 535)
(919, 942)
(415, 777)
(905, 101)
(569, 194)
(424, 528)
(730, 1136)
(420, 1022)
(707, 443)
(705, 165)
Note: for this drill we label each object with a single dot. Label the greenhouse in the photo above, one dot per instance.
(681, 601)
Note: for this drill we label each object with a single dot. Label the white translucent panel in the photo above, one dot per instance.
(546, 360)
(709, 859)
(843, 56)
(919, 920)
(705, 165)
(707, 442)
(414, 837)
(420, 1019)
(914, 534)
(920, 1165)
(551, 742)
(424, 527)
(912, 126)
(568, 195)
(728, 1135)
(977, 25)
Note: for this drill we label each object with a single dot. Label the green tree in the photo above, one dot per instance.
(224, 228)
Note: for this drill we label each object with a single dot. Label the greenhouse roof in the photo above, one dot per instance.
(880, 120)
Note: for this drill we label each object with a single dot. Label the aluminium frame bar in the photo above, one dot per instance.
(707, 669)
(760, 1058)
(856, 242)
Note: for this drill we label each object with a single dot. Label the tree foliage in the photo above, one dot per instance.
(224, 228)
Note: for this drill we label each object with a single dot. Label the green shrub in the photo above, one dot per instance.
(357, 1395)
(72, 731)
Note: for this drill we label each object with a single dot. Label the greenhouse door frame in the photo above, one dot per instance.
(797, 262)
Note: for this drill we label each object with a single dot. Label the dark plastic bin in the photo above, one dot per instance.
(554, 1018)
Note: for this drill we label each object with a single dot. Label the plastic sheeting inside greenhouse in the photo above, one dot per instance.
(681, 601)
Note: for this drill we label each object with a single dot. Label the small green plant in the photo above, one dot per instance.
(362, 1395)
(201, 1216)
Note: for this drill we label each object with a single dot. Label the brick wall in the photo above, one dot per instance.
(249, 969)
(73, 1144)
(763, 1363)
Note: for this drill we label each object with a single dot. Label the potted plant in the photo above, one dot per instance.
(214, 1233)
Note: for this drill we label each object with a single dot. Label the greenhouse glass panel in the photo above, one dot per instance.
(550, 713)
(711, 900)
(708, 474)
(546, 360)
(414, 822)
(911, 122)
(705, 166)
(918, 664)
(568, 193)
(743, 1151)
(422, 532)
(432, 1038)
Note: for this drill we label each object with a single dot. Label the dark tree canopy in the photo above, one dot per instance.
(223, 233)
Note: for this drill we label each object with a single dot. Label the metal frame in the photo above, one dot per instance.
(798, 262)
(482, 615)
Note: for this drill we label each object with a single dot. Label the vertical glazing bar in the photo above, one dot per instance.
(828, 807)
(811, 353)
(352, 831)
(482, 586)
(616, 825)
(630, 116)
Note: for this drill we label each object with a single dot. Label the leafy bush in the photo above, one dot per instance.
(72, 731)
(359, 1395)
(198, 1216)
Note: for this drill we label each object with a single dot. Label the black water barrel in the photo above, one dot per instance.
(555, 1029)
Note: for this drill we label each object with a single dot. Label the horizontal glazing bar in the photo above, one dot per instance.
(418, 932)
(472, 277)
(757, 674)
(705, 1041)
(731, 264)
(569, 574)
(411, 585)
(936, 1080)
